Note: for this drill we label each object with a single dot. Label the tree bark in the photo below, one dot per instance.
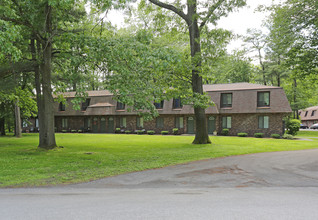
(18, 130)
(42, 49)
(2, 127)
(201, 135)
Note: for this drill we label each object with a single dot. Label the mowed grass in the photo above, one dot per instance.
(86, 157)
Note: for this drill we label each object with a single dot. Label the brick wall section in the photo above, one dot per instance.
(248, 123)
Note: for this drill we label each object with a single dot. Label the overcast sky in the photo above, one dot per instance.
(238, 22)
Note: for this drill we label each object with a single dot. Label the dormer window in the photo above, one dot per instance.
(61, 107)
(177, 103)
(313, 112)
(263, 99)
(85, 104)
(226, 100)
(159, 105)
(120, 106)
(306, 113)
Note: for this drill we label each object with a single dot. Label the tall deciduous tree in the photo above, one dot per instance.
(197, 15)
(41, 23)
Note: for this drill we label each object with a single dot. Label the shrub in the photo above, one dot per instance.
(292, 126)
(175, 131)
(140, 131)
(151, 132)
(64, 131)
(73, 131)
(225, 131)
(277, 136)
(288, 136)
(259, 135)
(164, 132)
(242, 134)
(117, 130)
(127, 132)
(80, 131)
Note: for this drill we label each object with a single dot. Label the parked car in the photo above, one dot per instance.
(314, 126)
(302, 126)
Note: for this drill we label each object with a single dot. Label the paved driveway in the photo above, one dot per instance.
(280, 185)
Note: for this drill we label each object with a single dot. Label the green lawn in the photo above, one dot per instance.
(86, 157)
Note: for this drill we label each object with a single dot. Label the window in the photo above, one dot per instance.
(227, 122)
(263, 99)
(64, 122)
(61, 107)
(313, 112)
(85, 104)
(159, 105)
(177, 103)
(25, 124)
(159, 123)
(140, 122)
(263, 121)
(306, 113)
(122, 122)
(120, 106)
(179, 122)
(36, 122)
(226, 100)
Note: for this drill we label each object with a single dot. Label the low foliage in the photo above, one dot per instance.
(277, 136)
(242, 134)
(175, 131)
(150, 132)
(164, 132)
(225, 132)
(259, 135)
(288, 136)
(292, 126)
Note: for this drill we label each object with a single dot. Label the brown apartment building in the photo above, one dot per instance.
(309, 116)
(240, 107)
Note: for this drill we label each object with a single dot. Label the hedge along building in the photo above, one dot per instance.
(240, 107)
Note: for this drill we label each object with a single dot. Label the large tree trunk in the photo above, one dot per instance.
(201, 135)
(43, 85)
(18, 130)
(2, 127)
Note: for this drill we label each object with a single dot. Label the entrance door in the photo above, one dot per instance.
(190, 125)
(95, 125)
(102, 125)
(110, 125)
(211, 124)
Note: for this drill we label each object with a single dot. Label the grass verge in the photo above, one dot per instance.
(86, 157)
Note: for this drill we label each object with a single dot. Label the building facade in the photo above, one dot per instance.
(239, 107)
(309, 116)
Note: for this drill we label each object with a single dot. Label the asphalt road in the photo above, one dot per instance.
(280, 185)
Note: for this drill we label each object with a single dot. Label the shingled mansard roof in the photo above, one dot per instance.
(312, 113)
(244, 101)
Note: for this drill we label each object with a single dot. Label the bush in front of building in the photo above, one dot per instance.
(175, 131)
(151, 132)
(127, 132)
(164, 132)
(140, 131)
(225, 132)
(117, 130)
(242, 134)
(259, 135)
(80, 131)
(292, 126)
(277, 136)
(73, 131)
(64, 131)
(288, 136)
